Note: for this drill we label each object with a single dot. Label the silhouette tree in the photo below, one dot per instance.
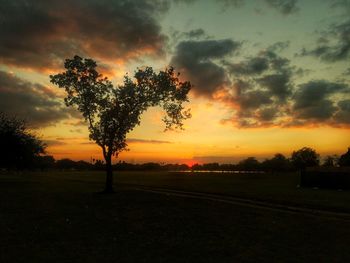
(249, 164)
(45, 162)
(19, 147)
(278, 163)
(305, 157)
(344, 159)
(330, 161)
(113, 112)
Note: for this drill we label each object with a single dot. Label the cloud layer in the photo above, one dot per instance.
(39, 34)
(198, 61)
(33, 102)
(333, 44)
(260, 89)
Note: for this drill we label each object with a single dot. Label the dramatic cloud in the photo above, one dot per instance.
(260, 89)
(262, 86)
(343, 113)
(277, 84)
(33, 102)
(40, 33)
(334, 44)
(313, 101)
(197, 59)
(252, 66)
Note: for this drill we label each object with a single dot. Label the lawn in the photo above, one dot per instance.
(60, 217)
(276, 188)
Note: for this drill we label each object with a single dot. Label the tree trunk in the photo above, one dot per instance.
(109, 176)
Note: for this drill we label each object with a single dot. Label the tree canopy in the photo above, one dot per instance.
(305, 157)
(112, 112)
(20, 148)
(344, 159)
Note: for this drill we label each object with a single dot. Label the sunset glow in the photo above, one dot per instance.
(268, 77)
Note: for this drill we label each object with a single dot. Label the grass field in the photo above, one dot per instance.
(60, 217)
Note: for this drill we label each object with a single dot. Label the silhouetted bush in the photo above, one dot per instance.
(249, 164)
(19, 147)
(66, 164)
(344, 159)
(305, 157)
(330, 161)
(44, 162)
(278, 163)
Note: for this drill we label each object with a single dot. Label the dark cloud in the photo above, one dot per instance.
(267, 114)
(262, 87)
(278, 85)
(255, 65)
(265, 60)
(286, 7)
(263, 94)
(315, 91)
(197, 59)
(313, 100)
(334, 44)
(33, 102)
(253, 99)
(54, 142)
(318, 110)
(40, 33)
(195, 33)
(343, 113)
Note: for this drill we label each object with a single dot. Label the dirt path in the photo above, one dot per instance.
(244, 202)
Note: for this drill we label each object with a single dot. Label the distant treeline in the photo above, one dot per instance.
(305, 157)
(21, 149)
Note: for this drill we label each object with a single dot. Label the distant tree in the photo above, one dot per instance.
(330, 161)
(150, 166)
(211, 166)
(65, 164)
(278, 163)
(196, 167)
(305, 157)
(249, 164)
(344, 159)
(19, 147)
(45, 162)
(228, 167)
(83, 165)
(111, 112)
(99, 165)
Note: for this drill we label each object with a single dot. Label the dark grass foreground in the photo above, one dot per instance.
(62, 219)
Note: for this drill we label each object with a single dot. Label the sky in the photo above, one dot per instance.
(269, 76)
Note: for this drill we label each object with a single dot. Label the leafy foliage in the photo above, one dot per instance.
(344, 159)
(19, 147)
(113, 112)
(330, 161)
(278, 163)
(305, 157)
